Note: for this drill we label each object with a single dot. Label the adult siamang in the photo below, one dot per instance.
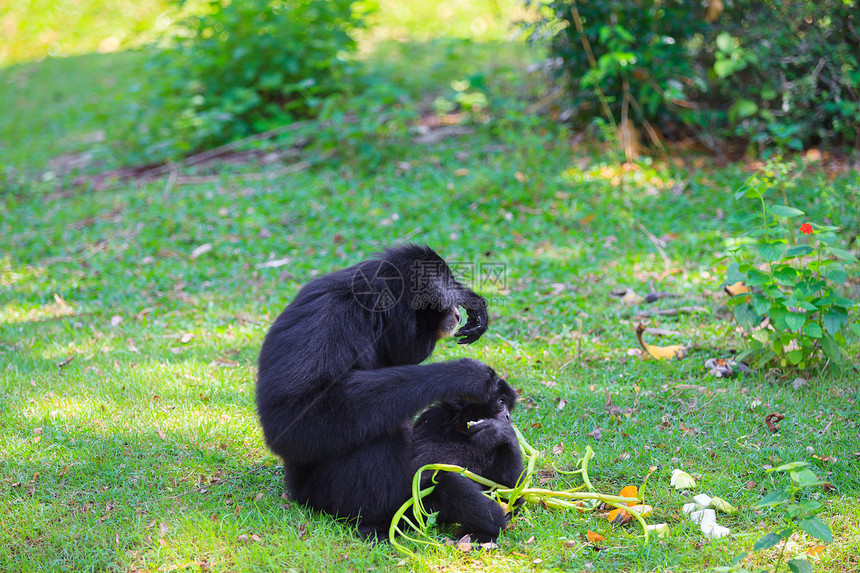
(339, 381)
(479, 437)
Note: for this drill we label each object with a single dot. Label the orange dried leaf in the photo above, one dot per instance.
(736, 289)
(660, 352)
(816, 551)
(630, 491)
(594, 537)
(619, 517)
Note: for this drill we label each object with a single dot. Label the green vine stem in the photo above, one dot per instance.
(564, 499)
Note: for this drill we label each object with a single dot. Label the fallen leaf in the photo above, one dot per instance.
(619, 517)
(816, 550)
(225, 362)
(715, 8)
(643, 510)
(200, 250)
(186, 338)
(594, 537)
(273, 264)
(630, 491)
(561, 404)
(597, 433)
(772, 421)
(558, 449)
(115, 320)
(736, 289)
(628, 296)
(660, 352)
(682, 480)
(661, 529)
(723, 505)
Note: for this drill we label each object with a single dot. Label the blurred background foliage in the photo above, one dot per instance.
(759, 76)
(773, 73)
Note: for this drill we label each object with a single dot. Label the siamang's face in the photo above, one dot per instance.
(450, 323)
(474, 416)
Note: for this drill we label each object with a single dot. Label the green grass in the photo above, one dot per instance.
(143, 451)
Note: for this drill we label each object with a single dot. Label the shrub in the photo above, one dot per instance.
(768, 71)
(242, 66)
(788, 291)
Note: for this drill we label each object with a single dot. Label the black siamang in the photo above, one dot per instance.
(339, 381)
(479, 437)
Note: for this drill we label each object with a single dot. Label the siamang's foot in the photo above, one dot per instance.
(372, 534)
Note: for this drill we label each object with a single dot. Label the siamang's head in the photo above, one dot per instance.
(464, 417)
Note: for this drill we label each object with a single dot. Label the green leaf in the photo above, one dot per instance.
(836, 273)
(773, 498)
(813, 330)
(785, 276)
(831, 348)
(724, 68)
(816, 528)
(800, 566)
(795, 320)
(742, 109)
(827, 238)
(810, 505)
(771, 251)
(834, 319)
(842, 254)
(795, 357)
(746, 316)
(797, 251)
(788, 467)
(733, 275)
(767, 541)
(757, 278)
(760, 303)
(804, 477)
(725, 42)
(786, 211)
(843, 302)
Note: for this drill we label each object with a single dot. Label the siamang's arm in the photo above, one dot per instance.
(370, 404)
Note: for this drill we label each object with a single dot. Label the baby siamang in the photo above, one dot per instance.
(339, 381)
(479, 437)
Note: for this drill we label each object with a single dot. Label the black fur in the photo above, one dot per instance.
(339, 381)
(479, 437)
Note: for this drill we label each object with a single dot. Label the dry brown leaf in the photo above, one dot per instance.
(736, 289)
(628, 137)
(223, 362)
(660, 352)
(558, 448)
(594, 537)
(715, 8)
(630, 491)
(619, 517)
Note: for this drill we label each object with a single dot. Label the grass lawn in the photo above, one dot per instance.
(130, 321)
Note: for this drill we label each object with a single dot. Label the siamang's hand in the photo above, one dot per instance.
(482, 382)
(477, 321)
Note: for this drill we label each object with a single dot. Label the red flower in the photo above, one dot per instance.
(806, 229)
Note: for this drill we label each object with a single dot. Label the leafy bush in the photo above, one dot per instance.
(768, 71)
(243, 66)
(792, 311)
